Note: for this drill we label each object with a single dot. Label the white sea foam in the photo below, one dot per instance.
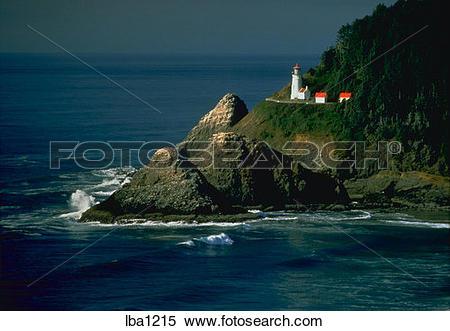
(108, 182)
(426, 224)
(73, 215)
(344, 216)
(80, 201)
(114, 172)
(188, 243)
(115, 178)
(174, 224)
(280, 218)
(125, 181)
(274, 216)
(257, 211)
(216, 239)
(103, 193)
(362, 217)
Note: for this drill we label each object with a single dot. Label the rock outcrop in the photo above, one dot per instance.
(172, 190)
(408, 189)
(222, 176)
(256, 175)
(228, 111)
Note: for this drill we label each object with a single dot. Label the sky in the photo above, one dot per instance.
(176, 26)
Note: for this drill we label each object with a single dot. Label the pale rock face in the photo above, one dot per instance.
(228, 111)
(224, 137)
(165, 156)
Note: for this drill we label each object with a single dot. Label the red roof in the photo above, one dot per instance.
(321, 94)
(296, 66)
(302, 90)
(345, 95)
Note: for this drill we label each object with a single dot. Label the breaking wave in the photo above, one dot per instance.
(188, 243)
(80, 201)
(216, 239)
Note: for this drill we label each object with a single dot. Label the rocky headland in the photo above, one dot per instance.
(217, 173)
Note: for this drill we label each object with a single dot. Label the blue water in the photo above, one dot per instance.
(306, 260)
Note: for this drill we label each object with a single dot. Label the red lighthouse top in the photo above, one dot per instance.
(296, 66)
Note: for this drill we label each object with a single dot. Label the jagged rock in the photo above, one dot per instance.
(257, 176)
(229, 110)
(240, 181)
(172, 190)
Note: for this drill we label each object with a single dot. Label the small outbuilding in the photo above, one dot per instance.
(344, 96)
(321, 97)
(304, 93)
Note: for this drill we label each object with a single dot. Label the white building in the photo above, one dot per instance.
(321, 97)
(304, 93)
(344, 96)
(296, 82)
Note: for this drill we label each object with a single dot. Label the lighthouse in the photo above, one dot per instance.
(296, 82)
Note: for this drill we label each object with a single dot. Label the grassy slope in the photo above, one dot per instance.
(283, 94)
(277, 123)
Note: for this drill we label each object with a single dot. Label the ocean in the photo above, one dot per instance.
(322, 260)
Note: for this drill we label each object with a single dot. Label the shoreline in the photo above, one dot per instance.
(251, 213)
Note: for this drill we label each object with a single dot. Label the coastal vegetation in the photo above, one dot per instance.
(394, 65)
(277, 123)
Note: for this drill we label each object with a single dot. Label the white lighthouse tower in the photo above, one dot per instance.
(296, 82)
